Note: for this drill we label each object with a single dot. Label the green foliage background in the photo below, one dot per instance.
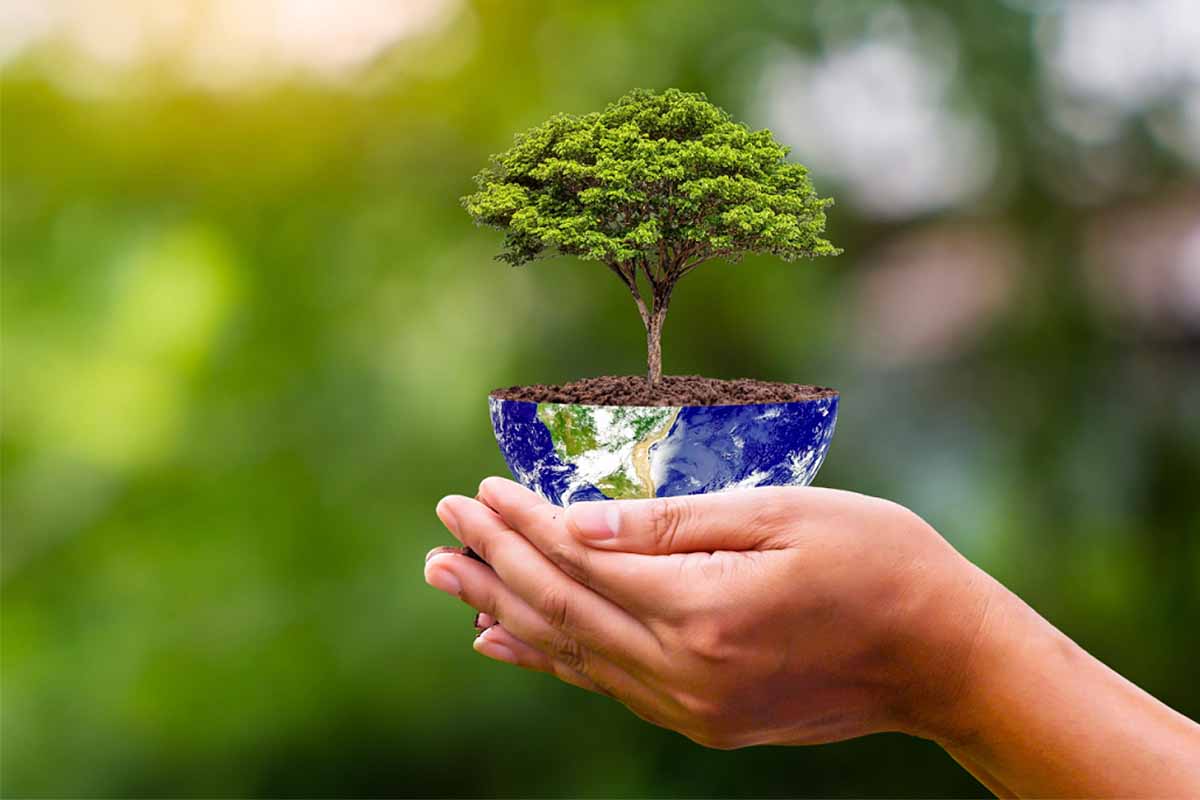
(247, 338)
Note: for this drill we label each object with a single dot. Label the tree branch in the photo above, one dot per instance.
(629, 278)
(680, 265)
(686, 268)
(651, 277)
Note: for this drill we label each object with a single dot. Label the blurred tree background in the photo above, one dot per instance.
(248, 333)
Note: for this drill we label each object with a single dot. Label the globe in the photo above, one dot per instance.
(568, 453)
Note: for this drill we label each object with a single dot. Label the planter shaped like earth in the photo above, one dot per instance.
(569, 452)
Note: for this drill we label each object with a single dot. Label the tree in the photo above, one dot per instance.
(652, 187)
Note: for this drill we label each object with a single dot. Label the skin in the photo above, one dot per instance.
(800, 616)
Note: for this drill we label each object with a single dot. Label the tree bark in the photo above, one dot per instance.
(654, 326)
(654, 312)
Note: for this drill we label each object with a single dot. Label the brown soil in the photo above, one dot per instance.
(673, 390)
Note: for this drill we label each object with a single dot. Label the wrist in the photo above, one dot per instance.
(1036, 715)
(955, 625)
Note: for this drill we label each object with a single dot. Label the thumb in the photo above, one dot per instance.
(745, 519)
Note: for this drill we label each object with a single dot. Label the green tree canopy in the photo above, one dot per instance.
(652, 187)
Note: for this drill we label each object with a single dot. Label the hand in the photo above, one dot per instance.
(773, 615)
(797, 616)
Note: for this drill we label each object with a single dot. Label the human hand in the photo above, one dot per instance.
(771, 615)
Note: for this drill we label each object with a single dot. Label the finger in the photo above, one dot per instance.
(502, 645)
(635, 582)
(466, 551)
(743, 519)
(480, 587)
(499, 644)
(484, 621)
(443, 549)
(568, 606)
(540, 646)
(530, 640)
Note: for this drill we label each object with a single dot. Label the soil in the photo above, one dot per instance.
(672, 390)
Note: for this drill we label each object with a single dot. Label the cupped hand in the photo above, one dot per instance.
(769, 615)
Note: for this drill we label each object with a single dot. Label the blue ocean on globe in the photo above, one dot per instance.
(568, 453)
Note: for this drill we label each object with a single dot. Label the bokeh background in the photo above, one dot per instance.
(248, 333)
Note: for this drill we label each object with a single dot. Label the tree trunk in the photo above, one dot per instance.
(654, 326)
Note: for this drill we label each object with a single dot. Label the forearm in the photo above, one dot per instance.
(1039, 716)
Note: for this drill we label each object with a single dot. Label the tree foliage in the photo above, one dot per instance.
(653, 186)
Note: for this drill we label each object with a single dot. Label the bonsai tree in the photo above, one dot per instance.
(652, 187)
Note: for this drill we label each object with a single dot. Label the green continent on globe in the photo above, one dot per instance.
(609, 446)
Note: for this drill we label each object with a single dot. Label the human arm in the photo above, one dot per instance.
(798, 616)
(1042, 717)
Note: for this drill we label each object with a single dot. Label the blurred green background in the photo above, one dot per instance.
(248, 333)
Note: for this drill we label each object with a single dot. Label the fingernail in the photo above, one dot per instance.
(492, 649)
(484, 621)
(438, 551)
(595, 519)
(446, 515)
(442, 578)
